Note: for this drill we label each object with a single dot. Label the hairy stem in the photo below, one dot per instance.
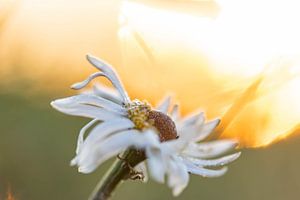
(119, 171)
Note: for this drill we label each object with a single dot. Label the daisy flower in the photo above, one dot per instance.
(168, 146)
(177, 158)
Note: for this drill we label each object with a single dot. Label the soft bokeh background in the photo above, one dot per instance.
(211, 55)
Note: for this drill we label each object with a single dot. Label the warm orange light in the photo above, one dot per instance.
(260, 102)
(268, 110)
(214, 56)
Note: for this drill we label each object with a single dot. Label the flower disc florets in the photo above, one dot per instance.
(138, 113)
(141, 114)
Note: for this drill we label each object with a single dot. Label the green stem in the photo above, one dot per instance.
(119, 171)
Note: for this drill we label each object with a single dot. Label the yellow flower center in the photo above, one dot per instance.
(141, 114)
(138, 113)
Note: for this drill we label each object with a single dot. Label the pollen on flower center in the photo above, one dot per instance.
(141, 114)
(138, 113)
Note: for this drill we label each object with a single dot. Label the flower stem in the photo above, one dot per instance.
(119, 171)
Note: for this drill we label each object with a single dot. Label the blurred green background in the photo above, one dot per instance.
(37, 143)
(42, 48)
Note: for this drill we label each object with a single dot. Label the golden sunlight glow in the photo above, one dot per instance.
(238, 44)
(268, 110)
(230, 58)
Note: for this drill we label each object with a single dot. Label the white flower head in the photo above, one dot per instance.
(170, 143)
(186, 154)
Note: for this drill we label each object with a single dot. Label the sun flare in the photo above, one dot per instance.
(235, 59)
(238, 45)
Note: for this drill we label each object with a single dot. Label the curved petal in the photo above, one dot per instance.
(164, 105)
(105, 129)
(206, 129)
(95, 155)
(81, 134)
(193, 119)
(101, 131)
(209, 149)
(156, 164)
(107, 93)
(111, 74)
(175, 146)
(178, 176)
(204, 172)
(188, 132)
(91, 99)
(64, 106)
(82, 84)
(215, 162)
(175, 113)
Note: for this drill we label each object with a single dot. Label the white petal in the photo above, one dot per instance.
(188, 132)
(101, 131)
(101, 102)
(175, 113)
(111, 74)
(108, 148)
(107, 93)
(193, 129)
(207, 172)
(91, 99)
(175, 146)
(192, 119)
(210, 149)
(178, 176)
(206, 129)
(204, 172)
(81, 134)
(152, 137)
(156, 164)
(164, 105)
(82, 84)
(82, 110)
(215, 162)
